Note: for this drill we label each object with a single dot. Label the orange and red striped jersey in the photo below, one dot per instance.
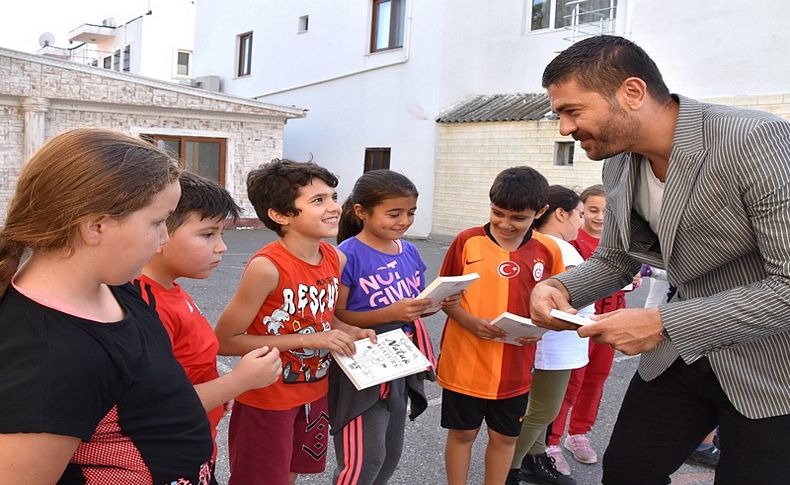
(485, 368)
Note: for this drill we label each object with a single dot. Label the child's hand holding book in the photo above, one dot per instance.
(334, 340)
(408, 309)
(483, 328)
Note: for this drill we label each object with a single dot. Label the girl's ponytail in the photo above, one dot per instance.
(350, 225)
(10, 256)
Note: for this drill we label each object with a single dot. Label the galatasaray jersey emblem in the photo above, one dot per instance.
(537, 271)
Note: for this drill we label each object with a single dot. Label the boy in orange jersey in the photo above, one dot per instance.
(286, 299)
(481, 377)
(195, 248)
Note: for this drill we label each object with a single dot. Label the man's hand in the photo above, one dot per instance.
(630, 330)
(546, 296)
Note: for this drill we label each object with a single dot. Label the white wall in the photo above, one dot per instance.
(356, 100)
(170, 27)
(455, 49)
(720, 47)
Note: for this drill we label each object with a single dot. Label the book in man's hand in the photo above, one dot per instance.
(516, 326)
(444, 286)
(392, 357)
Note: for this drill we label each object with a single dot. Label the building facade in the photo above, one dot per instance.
(216, 135)
(377, 74)
(158, 43)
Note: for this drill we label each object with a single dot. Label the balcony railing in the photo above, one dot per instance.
(585, 22)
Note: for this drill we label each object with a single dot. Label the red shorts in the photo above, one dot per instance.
(266, 446)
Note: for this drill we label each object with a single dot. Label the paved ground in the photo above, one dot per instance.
(422, 462)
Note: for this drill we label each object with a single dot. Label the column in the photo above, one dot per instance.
(35, 110)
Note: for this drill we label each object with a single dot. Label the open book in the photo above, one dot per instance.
(444, 286)
(394, 356)
(516, 326)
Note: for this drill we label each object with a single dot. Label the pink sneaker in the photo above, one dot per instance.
(560, 464)
(579, 446)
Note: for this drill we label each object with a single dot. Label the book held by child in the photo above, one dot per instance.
(394, 356)
(444, 286)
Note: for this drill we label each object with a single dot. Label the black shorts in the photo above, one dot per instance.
(504, 416)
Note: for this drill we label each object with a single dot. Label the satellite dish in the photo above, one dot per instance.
(46, 39)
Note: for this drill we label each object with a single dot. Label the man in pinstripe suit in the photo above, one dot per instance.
(704, 192)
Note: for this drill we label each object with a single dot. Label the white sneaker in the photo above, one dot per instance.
(562, 466)
(579, 446)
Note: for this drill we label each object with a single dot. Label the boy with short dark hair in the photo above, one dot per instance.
(286, 299)
(482, 377)
(195, 248)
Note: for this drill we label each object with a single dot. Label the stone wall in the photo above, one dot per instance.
(470, 155)
(41, 97)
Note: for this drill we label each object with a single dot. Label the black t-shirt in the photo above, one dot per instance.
(116, 386)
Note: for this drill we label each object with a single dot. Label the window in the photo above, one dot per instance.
(377, 159)
(203, 156)
(127, 58)
(107, 62)
(95, 63)
(387, 25)
(245, 55)
(116, 60)
(304, 24)
(183, 63)
(566, 13)
(563, 153)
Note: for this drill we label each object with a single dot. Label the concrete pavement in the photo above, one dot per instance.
(422, 462)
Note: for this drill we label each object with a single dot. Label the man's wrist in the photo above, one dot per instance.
(556, 283)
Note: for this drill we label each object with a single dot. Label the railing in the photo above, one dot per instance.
(587, 23)
(85, 56)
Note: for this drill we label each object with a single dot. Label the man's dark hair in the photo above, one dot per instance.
(203, 197)
(275, 185)
(602, 63)
(519, 188)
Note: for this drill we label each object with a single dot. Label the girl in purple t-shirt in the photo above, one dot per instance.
(379, 285)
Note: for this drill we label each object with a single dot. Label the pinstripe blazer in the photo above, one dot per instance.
(724, 240)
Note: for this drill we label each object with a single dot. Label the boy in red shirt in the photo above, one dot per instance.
(286, 299)
(193, 251)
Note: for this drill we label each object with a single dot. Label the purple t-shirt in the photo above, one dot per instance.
(375, 279)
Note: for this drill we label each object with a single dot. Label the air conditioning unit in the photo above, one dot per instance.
(209, 83)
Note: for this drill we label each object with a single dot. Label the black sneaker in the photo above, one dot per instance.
(512, 477)
(708, 457)
(539, 469)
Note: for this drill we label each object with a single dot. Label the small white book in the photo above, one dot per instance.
(444, 286)
(393, 357)
(516, 326)
(570, 317)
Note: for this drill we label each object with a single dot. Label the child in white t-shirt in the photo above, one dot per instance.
(557, 353)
